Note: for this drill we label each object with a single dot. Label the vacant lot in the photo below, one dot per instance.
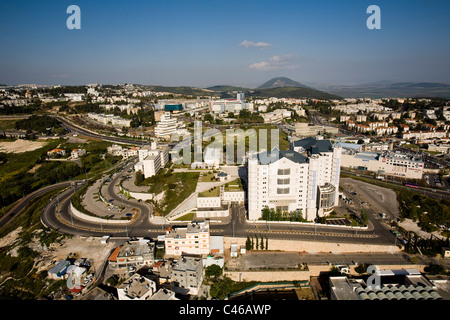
(20, 146)
(265, 260)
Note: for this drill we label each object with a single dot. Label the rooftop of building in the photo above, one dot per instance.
(164, 294)
(188, 262)
(136, 286)
(212, 192)
(275, 154)
(311, 144)
(136, 248)
(176, 232)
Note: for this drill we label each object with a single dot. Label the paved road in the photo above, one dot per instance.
(430, 192)
(28, 198)
(77, 129)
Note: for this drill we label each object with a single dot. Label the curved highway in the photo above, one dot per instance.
(66, 124)
(28, 198)
(59, 218)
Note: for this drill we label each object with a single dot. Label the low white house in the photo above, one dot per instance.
(136, 288)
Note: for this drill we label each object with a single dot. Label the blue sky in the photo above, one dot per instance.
(203, 43)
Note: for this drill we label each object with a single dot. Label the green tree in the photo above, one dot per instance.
(139, 178)
(248, 244)
(213, 271)
(364, 217)
(267, 243)
(435, 269)
(262, 243)
(361, 268)
(208, 117)
(256, 242)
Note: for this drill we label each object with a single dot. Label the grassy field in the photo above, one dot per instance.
(22, 162)
(186, 217)
(176, 187)
(213, 192)
(7, 125)
(235, 185)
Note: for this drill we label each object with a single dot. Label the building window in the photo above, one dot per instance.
(283, 181)
(283, 172)
(282, 190)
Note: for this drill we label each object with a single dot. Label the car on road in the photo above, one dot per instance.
(128, 215)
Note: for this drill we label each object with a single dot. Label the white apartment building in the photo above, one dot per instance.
(136, 288)
(77, 153)
(125, 153)
(192, 239)
(152, 158)
(109, 119)
(276, 116)
(230, 105)
(304, 178)
(422, 135)
(303, 129)
(167, 126)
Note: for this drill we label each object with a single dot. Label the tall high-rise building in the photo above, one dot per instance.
(304, 178)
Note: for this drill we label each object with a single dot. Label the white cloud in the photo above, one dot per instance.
(276, 63)
(250, 44)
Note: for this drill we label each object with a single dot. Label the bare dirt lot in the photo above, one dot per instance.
(20, 145)
(90, 248)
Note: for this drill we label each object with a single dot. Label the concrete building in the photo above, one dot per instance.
(168, 126)
(59, 270)
(164, 295)
(387, 163)
(187, 274)
(77, 153)
(109, 119)
(133, 254)
(55, 152)
(404, 284)
(304, 178)
(423, 135)
(192, 239)
(442, 148)
(303, 129)
(136, 288)
(229, 105)
(152, 158)
(276, 116)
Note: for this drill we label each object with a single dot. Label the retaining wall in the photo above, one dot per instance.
(89, 218)
(316, 246)
(313, 271)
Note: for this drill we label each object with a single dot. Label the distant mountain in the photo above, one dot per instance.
(293, 92)
(385, 89)
(226, 88)
(188, 91)
(281, 82)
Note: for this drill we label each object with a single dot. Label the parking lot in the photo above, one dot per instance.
(381, 200)
(292, 260)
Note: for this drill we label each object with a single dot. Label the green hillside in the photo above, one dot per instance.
(293, 92)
